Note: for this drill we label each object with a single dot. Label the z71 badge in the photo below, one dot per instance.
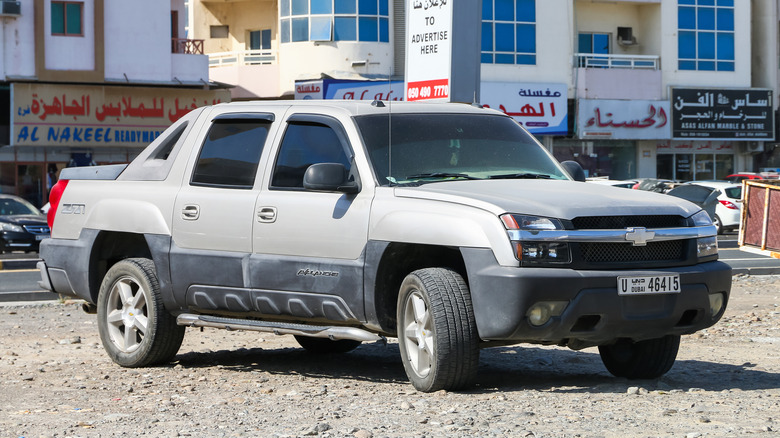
(73, 208)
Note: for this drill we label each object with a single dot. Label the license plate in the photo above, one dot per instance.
(42, 236)
(648, 284)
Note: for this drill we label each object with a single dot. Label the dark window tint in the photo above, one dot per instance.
(230, 154)
(164, 150)
(305, 144)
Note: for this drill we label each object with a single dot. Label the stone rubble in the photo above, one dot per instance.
(57, 381)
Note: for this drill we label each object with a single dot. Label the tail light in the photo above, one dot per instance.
(54, 200)
(729, 204)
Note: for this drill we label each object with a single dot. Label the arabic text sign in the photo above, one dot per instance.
(368, 90)
(713, 114)
(428, 49)
(623, 119)
(87, 116)
(540, 107)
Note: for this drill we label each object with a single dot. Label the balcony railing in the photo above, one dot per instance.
(246, 57)
(187, 47)
(593, 60)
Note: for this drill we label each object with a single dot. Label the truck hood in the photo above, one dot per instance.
(550, 198)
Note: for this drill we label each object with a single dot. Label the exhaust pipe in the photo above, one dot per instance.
(89, 308)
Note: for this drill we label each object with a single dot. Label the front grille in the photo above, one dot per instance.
(621, 222)
(599, 252)
(37, 229)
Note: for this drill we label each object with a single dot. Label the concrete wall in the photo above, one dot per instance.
(68, 52)
(17, 42)
(139, 55)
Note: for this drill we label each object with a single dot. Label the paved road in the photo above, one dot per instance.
(19, 278)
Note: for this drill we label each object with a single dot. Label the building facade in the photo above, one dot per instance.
(612, 85)
(82, 85)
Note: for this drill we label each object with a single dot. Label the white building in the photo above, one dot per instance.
(90, 81)
(610, 84)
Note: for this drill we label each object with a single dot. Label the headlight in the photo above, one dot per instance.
(523, 222)
(537, 252)
(13, 228)
(701, 219)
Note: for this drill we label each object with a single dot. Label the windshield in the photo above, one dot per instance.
(436, 147)
(10, 206)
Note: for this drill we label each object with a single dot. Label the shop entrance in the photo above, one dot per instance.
(31, 181)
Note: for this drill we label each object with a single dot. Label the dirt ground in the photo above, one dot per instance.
(56, 381)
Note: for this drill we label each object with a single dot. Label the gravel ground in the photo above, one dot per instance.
(56, 381)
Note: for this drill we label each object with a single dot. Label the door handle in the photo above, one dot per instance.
(266, 214)
(190, 212)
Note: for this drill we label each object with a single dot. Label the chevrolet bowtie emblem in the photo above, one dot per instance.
(638, 236)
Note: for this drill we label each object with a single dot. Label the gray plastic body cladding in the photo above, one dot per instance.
(502, 295)
(68, 263)
(270, 285)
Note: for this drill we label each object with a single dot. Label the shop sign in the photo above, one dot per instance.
(745, 114)
(306, 90)
(690, 147)
(94, 116)
(540, 107)
(428, 50)
(623, 119)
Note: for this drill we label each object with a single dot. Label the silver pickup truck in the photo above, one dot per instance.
(444, 225)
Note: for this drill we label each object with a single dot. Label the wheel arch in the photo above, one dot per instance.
(393, 261)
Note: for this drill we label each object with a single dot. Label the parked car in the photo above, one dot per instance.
(739, 177)
(23, 225)
(729, 208)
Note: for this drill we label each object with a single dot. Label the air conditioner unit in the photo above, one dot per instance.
(625, 36)
(10, 8)
(752, 147)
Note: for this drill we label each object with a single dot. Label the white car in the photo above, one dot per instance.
(728, 212)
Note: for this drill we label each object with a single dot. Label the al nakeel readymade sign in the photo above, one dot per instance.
(623, 119)
(93, 116)
(722, 114)
(428, 49)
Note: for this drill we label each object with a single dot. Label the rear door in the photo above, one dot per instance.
(214, 211)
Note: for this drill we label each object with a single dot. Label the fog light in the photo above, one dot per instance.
(716, 303)
(541, 313)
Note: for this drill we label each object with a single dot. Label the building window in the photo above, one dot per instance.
(597, 43)
(260, 39)
(334, 20)
(706, 35)
(66, 18)
(509, 32)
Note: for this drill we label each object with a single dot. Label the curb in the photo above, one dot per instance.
(755, 271)
(18, 264)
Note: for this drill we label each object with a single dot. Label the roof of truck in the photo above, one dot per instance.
(358, 107)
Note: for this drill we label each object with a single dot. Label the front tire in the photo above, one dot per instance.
(640, 360)
(134, 326)
(437, 332)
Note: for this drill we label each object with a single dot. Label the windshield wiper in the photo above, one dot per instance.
(520, 176)
(441, 175)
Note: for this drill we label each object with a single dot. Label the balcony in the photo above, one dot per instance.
(186, 47)
(255, 73)
(246, 57)
(618, 76)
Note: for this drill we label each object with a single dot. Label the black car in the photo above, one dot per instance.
(22, 226)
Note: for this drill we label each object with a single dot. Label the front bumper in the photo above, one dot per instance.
(595, 314)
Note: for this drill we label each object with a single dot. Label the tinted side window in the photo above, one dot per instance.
(231, 153)
(305, 144)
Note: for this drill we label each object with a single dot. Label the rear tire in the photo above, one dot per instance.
(640, 360)
(718, 224)
(437, 332)
(134, 326)
(325, 345)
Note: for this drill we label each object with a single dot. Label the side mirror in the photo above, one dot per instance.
(329, 177)
(574, 169)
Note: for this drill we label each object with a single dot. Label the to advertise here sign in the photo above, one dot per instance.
(428, 50)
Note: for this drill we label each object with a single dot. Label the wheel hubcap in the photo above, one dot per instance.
(418, 334)
(127, 314)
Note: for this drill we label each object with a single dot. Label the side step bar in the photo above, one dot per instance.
(278, 328)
